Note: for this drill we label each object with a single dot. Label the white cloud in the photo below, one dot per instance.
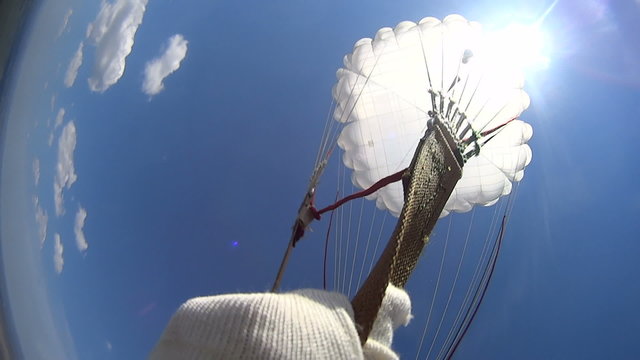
(59, 118)
(58, 199)
(112, 33)
(58, 250)
(41, 220)
(50, 140)
(36, 171)
(65, 22)
(81, 241)
(74, 65)
(65, 169)
(159, 68)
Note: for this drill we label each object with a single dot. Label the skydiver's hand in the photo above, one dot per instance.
(303, 324)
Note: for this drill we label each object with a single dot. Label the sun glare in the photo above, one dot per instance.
(525, 46)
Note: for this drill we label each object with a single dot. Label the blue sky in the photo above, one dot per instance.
(170, 179)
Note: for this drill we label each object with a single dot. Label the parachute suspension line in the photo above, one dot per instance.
(426, 66)
(458, 123)
(493, 131)
(461, 134)
(408, 152)
(326, 249)
(488, 271)
(476, 134)
(475, 278)
(333, 135)
(300, 223)
(325, 131)
(511, 201)
(366, 249)
(474, 283)
(483, 128)
(336, 253)
(337, 124)
(355, 250)
(441, 67)
(330, 135)
(341, 183)
(455, 281)
(360, 194)
(343, 119)
(452, 88)
(486, 278)
(462, 93)
(328, 126)
(478, 296)
(338, 228)
(438, 98)
(341, 274)
(435, 169)
(480, 292)
(347, 242)
(435, 293)
(375, 250)
(467, 54)
(336, 242)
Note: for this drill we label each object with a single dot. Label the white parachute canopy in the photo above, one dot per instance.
(389, 85)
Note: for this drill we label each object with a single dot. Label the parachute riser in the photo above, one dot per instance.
(435, 169)
(304, 218)
(467, 139)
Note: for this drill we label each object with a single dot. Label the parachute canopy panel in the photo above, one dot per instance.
(390, 87)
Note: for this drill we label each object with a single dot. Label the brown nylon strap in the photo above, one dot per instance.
(435, 169)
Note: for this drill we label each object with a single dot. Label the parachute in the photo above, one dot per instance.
(390, 87)
(395, 93)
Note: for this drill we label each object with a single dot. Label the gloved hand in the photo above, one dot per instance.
(302, 324)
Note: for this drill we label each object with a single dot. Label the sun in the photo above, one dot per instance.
(525, 46)
(530, 45)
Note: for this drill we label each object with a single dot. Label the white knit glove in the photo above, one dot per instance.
(303, 324)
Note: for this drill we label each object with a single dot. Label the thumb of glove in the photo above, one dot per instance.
(395, 311)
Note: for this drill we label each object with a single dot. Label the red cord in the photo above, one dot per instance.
(300, 226)
(373, 188)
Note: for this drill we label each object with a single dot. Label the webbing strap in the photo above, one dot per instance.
(435, 169)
